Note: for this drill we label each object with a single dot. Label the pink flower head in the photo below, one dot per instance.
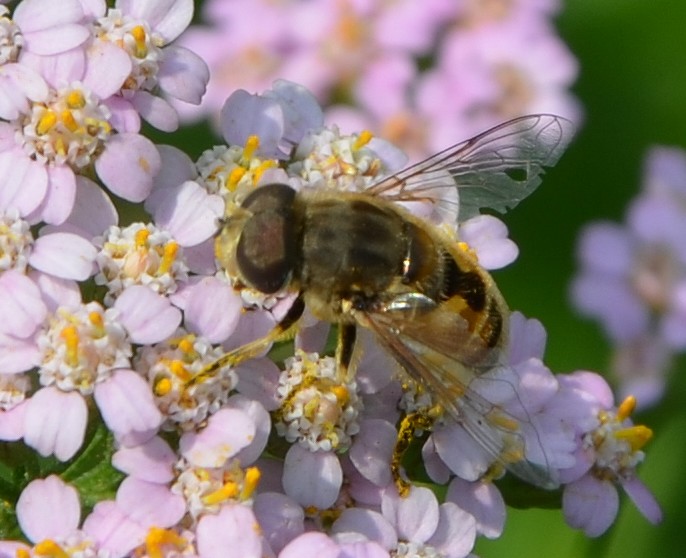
(610, 448)
(142, 34)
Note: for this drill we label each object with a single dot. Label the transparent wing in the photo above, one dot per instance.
(495, 169)
(484, 401)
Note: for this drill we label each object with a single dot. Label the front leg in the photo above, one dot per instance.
(285, 329)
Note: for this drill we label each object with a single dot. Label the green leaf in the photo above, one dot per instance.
(91, 472)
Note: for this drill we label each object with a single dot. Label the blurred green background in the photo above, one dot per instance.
(632, 86)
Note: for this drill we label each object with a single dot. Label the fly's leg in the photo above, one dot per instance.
(411, 423)
(285, 329)
(347, 333)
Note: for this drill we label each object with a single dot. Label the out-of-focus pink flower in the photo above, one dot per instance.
(608, 454)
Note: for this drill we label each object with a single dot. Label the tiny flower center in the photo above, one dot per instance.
(70, 128)
(140, 254)
(15, 241)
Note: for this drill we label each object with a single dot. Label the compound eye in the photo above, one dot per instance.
(266, 249)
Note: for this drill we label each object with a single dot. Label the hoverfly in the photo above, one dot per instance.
(361, 259)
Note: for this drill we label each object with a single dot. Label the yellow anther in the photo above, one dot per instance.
(503, 422)
(226, 492)
(363, 139)
(179, 370)
(70, 335)
(342, 394)
(75, 99)
(96, 320)
(626, 408)
(157, 538)
(22, 553)
(636, 436)
(141, 237)
(162, 387)
(98, 325)
(235, 177)
(46, 122)
(60, 146)
(250, 482)
(168, 257)
(251, 146)
(311, 407)
(139, 36)
(259, 170)
(49, 548)
(93, 126)
(69, 121)
(186, 344)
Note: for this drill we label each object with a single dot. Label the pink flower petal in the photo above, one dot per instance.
(23, 182)
(280, 517)
(113, 530)
(152, 461)
(93, 210)
(56, 40)
(311, 545)
(456, 532)
(187, 211)
(126, 403)
(156, 111)
(21, 306)
(12, 423)
(590, 504)
(48, 509)
(64, 255)
(36, 15)
(312, 478)
(128, 165)
(150, 504)
(177, 167)
(148, 317)
(56, 422)
(369, 523)
(18, 84)
(18, 355)
(107, 67)
(261, 422)
(415, 517)
(483, 501)
(643, 499)
(213, 309)
(59, 199)
(234, 531)
(227, 432)
(372, 450)
(244, 115)
(168, 17)
(55, 291)
(125, 117)
(183, 74)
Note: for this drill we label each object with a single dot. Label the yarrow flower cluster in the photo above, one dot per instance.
(412, 72)
(632, 278)
(117, 335)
